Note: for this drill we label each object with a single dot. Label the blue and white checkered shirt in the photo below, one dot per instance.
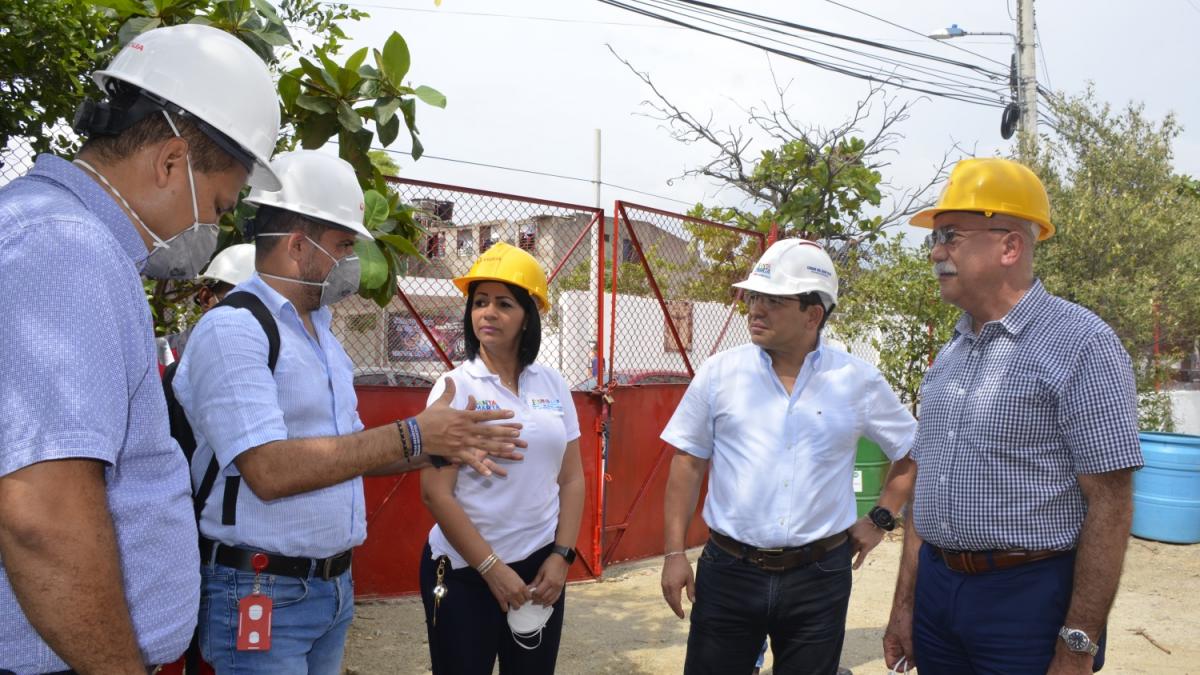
(79, 380)
(1010, 416)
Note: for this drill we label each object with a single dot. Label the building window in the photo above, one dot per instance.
(628, 252)
(527, 239)
(485, 238)
(435, 246)
(465, 243)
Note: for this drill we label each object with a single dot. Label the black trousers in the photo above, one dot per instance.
(471, 629)
(738, 605)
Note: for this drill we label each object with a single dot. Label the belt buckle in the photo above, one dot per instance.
(326, 567)
(760, 558)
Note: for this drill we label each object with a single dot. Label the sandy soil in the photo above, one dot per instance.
(621, 624)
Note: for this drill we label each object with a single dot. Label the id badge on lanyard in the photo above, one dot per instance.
(254, 614)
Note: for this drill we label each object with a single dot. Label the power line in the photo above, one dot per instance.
(916, 32)
(889, 80)
(959, 82)
(534, 172)
(528, 17)
(1045, 66)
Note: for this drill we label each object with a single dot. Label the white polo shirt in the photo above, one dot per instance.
(781, 471)
(517, 514)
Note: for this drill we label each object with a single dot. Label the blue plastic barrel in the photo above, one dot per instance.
(1166, 492)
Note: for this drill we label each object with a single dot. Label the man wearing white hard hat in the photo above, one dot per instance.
(99, 570)
(286, 437)
(776, 424)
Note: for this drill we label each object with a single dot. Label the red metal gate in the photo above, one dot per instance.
(672, 306)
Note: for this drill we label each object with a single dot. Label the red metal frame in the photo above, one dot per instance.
(662, 304)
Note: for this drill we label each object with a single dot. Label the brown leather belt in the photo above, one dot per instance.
(978, 562)
(777, 559)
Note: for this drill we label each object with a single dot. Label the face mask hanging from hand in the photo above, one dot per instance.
(527, 621)
(182, 256)
(340, 283)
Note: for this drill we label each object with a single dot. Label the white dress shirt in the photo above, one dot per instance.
(782, 464)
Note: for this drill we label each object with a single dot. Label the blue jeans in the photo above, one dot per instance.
(738, 605)
(1001, 622)
(308, 629)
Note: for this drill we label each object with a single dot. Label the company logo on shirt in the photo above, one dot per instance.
(763, 270)
(546, 404)
(485, 404)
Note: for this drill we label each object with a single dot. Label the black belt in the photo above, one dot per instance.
(777, 559)
(281, 565)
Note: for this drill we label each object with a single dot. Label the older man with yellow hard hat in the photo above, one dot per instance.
(1025, 449)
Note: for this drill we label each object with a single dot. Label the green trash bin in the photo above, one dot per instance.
(870, 468)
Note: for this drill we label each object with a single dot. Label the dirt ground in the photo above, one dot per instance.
(621, 624)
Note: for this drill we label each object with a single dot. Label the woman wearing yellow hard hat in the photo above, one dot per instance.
(494, 569)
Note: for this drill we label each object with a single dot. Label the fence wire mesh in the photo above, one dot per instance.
(673, 305)
(15, 160)
(420, 333)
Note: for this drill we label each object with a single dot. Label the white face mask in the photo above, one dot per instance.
(182, 256)
(527, 621)
(340, 283)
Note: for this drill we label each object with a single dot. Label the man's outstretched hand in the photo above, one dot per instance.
(465, 437)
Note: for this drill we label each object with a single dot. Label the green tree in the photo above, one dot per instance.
(895, 307)
(1126, 242)
(47, 50)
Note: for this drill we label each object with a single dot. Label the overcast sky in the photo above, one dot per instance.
(528, 82)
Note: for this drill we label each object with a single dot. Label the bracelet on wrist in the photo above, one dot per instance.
(414, 435)
(487, 564)
(405, 444)
(668, 554)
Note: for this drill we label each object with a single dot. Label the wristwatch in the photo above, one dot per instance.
(1078, 641)
(566, 552)
(882, 518)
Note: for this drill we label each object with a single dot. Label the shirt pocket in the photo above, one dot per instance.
(828, 430)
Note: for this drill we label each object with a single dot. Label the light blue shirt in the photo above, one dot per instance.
(234, 404)
(79, 380)
(782, 465)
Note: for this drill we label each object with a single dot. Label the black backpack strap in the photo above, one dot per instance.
(181, 431)
(253, 304)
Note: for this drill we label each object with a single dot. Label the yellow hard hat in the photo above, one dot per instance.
(991, 185)
(511, 265)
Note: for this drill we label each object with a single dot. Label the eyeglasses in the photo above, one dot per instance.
(770, 301)
(949, 237)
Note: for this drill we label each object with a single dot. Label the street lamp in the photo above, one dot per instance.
(1013, 111)
(953, 31)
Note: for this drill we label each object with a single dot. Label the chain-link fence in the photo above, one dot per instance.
(672, 303)
(419, 335)
(15, 160)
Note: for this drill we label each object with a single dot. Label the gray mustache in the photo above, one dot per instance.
(944, 267)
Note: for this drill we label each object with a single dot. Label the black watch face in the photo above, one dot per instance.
(1077, 640)
(568, 553)
(882, 518)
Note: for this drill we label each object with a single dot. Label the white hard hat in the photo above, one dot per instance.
(316, 185)
(214, 77)
(233, 265)
(793, 267)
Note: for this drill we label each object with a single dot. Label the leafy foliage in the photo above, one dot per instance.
(47, 50)
(893, 304)
(1126, 244)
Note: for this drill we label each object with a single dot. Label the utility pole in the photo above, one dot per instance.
(1027, 75)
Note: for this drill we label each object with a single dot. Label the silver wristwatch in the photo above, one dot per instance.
(1078, 641)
